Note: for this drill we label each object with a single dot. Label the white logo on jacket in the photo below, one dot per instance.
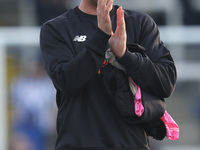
(81, 38)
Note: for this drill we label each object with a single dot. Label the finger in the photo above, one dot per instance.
(120, 16)
(101, 6)
(103, 3)
(111, 33)
(99, 2)
(109, 6)
(121, 29)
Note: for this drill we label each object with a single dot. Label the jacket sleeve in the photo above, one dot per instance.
(155, 72)
(69, 71)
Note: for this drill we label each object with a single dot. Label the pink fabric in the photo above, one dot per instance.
(139, 108)
(171, 127)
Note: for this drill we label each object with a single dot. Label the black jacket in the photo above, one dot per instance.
(117, 83)
(73, 49)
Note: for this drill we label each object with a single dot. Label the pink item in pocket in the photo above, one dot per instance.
(139, 108)
(171, 127)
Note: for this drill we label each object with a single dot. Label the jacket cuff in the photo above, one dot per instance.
(129, 60)
(99, 42)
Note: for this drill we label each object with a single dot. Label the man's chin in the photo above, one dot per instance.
(94, 2)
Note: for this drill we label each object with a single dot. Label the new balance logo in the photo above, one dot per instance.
(80, 38)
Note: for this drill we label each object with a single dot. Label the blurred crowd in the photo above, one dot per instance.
(32, 95)
(32, 102)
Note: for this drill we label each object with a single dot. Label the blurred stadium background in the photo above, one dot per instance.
(27, 103)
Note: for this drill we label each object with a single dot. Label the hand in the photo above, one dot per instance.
(103, 15)
(117, 42)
